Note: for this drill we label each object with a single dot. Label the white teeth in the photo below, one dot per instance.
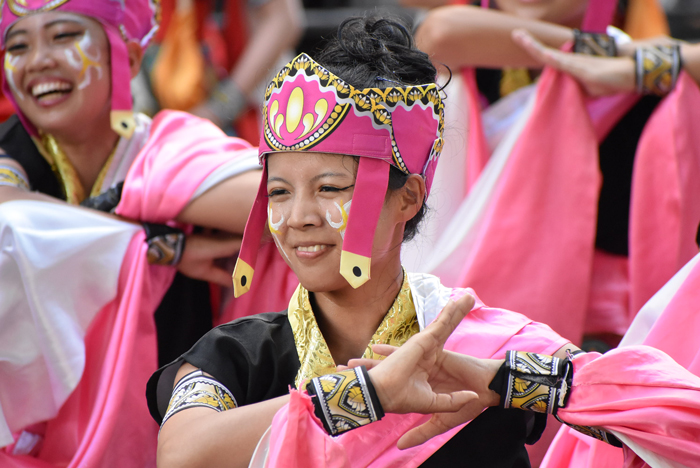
(45, 88)
(312, 248)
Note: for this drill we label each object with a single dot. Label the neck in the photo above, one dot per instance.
(349, 318)
(88, 152)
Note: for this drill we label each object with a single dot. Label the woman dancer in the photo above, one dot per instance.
(349, 149)
(80, 287)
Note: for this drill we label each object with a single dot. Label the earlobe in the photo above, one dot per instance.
(135, 56)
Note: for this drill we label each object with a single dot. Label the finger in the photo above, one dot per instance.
(384, 349)
(449, 318)
(451, 402)
(217, 276)
(537, 50)
(222, 248)
(368, 363)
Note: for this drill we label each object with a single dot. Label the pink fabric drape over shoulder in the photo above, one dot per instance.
(533, 251)
(299, 440)
(105, 422)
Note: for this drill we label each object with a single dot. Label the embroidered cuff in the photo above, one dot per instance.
(165, 244)
(196, 389)
(597, 44)
(11, 177)
(533, 382)
(657, 68)
(345, 400)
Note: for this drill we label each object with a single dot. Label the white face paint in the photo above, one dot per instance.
(275, 229)
(10, 64)
(343, 223)
(81, 59)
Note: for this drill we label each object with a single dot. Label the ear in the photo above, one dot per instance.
(412, 196)
(135, 56)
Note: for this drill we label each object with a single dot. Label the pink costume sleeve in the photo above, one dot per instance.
(299, 440)
(675, 332)
(645, 398)
(105, 422)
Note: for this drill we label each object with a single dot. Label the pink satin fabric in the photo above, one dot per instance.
(299, 440)
(541, 219)
(105, 422)
(675, 333)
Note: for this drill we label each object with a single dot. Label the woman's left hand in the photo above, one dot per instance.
(201, 252)
(599, 76)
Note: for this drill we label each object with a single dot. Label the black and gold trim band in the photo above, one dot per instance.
(11, 177)
(598, 44)
(198, 390)
(165, 244)
(533, 382)
(657, 68)
(345, 400)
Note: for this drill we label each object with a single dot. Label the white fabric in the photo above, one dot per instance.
(647, 316)
(429, 296)
(50, 257)
(126, 152)
(246, 162)
(454, 241)
(651, 459)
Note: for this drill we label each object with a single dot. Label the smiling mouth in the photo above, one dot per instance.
(312, 248)
(50, 91)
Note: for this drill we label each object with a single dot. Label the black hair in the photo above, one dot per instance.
(378, 52)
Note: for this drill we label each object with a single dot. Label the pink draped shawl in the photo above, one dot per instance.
(105, 422)
(533, 252)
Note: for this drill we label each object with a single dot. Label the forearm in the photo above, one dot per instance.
(225, 206)
(690, 54)
(201, 437)
(279, 29)
(466, 36)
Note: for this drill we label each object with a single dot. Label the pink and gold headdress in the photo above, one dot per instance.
(122, 20)
(308, 108)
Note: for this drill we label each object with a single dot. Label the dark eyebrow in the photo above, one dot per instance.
(48, 25)
(313, 179)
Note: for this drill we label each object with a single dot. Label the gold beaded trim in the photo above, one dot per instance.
(9, 176)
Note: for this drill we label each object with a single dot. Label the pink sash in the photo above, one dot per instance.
(105, 422)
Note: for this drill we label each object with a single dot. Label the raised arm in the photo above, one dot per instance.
(466, 36)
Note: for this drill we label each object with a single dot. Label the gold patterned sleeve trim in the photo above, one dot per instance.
(536, 382)
(9, 176)
(657, 68)
(198, 390)
(597, 44)
(345, 400)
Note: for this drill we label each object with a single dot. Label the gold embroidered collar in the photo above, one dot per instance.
(62, 167)
(399, 324)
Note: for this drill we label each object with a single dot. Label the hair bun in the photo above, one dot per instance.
(371, 47)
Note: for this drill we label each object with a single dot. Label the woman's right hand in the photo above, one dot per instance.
(201, 252)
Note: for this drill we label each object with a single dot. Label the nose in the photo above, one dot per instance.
(40, 58)
(304, 212)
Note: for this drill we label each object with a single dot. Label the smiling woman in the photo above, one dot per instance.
(76, 141)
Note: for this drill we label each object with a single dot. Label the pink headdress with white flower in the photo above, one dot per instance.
(308, 108)
(122, 20)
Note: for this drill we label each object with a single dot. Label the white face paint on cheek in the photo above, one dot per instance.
(275, 229)
(341, 225)
(81, 59)
(10, 68)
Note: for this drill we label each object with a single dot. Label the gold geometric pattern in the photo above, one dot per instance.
(596, 44)
(399, 324)
(533, 382)
(345, 400)
(657, 68)
(373, 101)
(198, 390)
